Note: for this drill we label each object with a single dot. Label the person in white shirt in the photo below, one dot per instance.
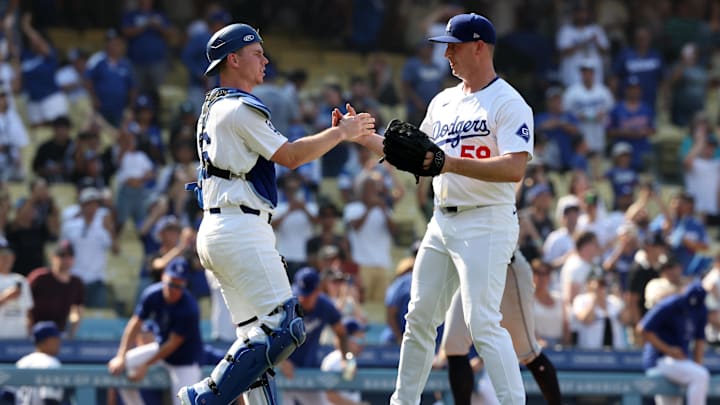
(702, 177)
(590, 102)
(46, 337)
(582, 263)
(293, 222)
(134, 169)
(559, 243)
(597, 317)
(91, 233)
(370, 229)
(15, 298)
(333, 362)
(578, 41)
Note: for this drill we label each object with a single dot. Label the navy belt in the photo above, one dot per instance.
(244, 208)
(255, 318)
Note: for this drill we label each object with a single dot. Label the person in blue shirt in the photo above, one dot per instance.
(39, 62)
(193, 57)
(147, 32)
(685, 234)
(560, 127)
(110, 80)
(632, 122)
(319, 312)
(642, 62)
(397, 298)
(179, 346)
(422, 79)
(622, 177)
(669, 329)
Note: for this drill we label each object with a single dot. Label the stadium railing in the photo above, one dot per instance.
(85, 380)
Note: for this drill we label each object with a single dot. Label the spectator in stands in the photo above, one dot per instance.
(284, 110)
(590, 102)
(15, 298)
(183, 126)
(551, 321)
(39, 63)
(623, 178)
(434, 25)
(367, 165)
(91, 233)
(702, 178)
(46, 337)
(179, 347)
(362, 99)
(294, 83)
(580, 184)
(110, 80)
(51, 159)
(335, 360)
(598, 316)
(332, 97)
(397, 298)
(135, 170)
(164, 240)
(194, 55)
(36, 222)
(669, 282)
(293, 221)
(370, 230)
(536, 174)
(381, 81)
(327, 219)
(688, 82)
(580, 266)
(637, 212)
(422, 79)
(559, 243)
(319, 312)
(147, 130)
(559, 126)
(619, 258)
(642, 62)
(590, 220)
(535, 221)
(84, 159)
(13, 138)
(58, 295)
(632, 122)
(581, 42)
(669, 329)
(70, 80)
(700, 125)
(685, 234)
(711, 284)
(340, 287)
(148, 33)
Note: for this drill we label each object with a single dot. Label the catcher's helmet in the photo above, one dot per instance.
(226, 41)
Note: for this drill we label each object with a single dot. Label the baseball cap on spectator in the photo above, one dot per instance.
(44, 330)
(353, 326)
(586, 64)
(111, 34)
(572, 204)
(166, 222)
(178, 268)
(62, 121)
(535, 191)
(76, 53)
(328, 252)
(621, 148)
(632, 81)
(591, 198)
(306, 282)
(467, 28)
(64, 248)
(144, 101)
(90, 194)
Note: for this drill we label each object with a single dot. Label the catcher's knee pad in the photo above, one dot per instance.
(262, 391)
(247, 360)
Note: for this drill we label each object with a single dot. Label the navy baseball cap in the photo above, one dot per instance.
(467, 28)
(353, 326)
(178, 268)
(306, 282)
(226, 41)
(43, 330)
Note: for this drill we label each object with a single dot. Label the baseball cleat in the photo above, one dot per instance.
(187, 395)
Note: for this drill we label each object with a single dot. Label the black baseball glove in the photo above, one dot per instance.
(405, 146)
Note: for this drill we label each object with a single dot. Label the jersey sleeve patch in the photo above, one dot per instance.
(523, 132)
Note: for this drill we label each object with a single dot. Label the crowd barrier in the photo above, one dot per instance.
(374, 356)
(85, 380)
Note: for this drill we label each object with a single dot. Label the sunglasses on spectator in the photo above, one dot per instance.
(64, 255)
(177, 286)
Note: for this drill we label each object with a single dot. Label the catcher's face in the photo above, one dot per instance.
(250, 62)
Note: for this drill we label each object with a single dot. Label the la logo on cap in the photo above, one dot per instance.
(449, 26)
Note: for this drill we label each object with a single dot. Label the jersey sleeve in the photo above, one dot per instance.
(514, 128)
(257, 131)
(184, 325)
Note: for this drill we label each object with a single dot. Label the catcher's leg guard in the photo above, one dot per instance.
(248, 359)
(262, 392)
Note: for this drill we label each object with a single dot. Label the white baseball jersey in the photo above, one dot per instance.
(490, 122)
(37, 395)
(238, 134)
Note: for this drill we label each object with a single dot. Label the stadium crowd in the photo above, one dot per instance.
(606, 80)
